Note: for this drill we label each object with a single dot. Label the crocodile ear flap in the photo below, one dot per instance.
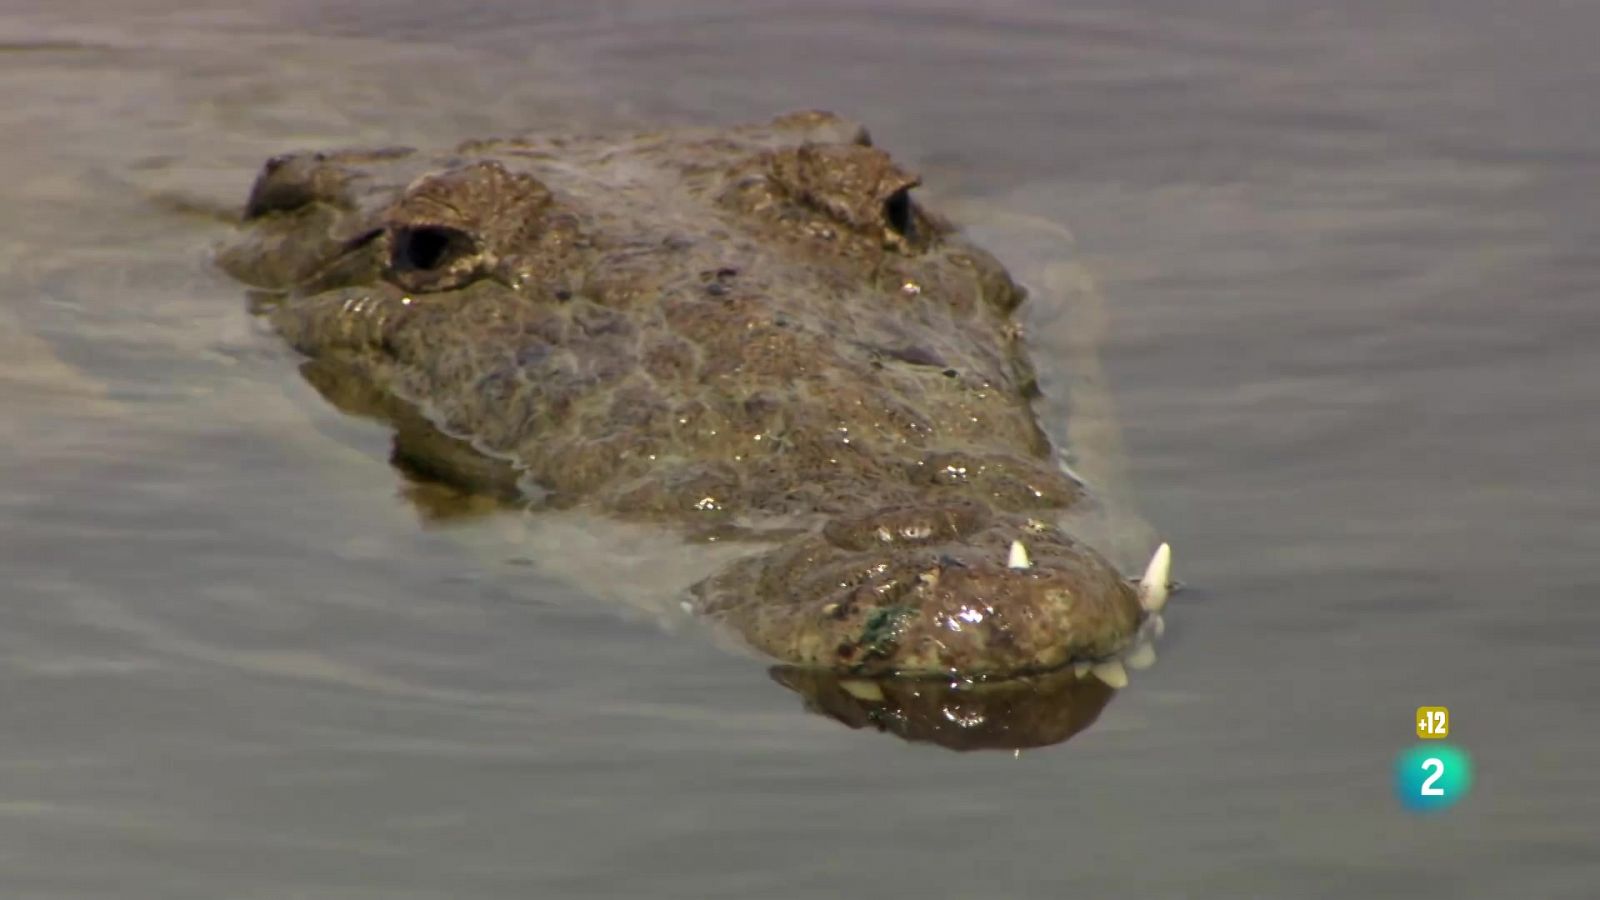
(449, 228)
(857, 186)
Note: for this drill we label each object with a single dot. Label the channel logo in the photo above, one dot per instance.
(1432, 777)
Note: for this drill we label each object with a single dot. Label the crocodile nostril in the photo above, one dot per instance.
(426, 247)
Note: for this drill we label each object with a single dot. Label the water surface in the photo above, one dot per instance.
(1338, 267)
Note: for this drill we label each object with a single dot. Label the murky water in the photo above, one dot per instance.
(1344, 257)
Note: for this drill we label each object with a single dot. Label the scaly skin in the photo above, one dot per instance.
(748, 331)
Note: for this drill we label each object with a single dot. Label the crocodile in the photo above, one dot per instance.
(747, 333)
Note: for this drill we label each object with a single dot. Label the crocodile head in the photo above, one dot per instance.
(752, 330)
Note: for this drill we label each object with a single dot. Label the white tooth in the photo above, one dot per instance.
(1157, 626)
(1153, 586)
(1112, 673)
(1019, 557)
(1142, 656)
(1081, 668)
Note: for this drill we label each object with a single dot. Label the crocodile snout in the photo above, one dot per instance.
(930, 591)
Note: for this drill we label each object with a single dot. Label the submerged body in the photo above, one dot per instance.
(751, 331)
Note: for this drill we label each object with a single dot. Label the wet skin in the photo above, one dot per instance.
(751, 332)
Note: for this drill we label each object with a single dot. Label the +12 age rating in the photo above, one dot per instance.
(1432, 776)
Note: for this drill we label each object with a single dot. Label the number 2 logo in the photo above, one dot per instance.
(1435, 764)
(1431, 777)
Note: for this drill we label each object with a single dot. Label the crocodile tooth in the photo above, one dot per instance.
(1157, 625)
(1142, 656)
(1111, 672)
(1153, 586)
(1019, 557)
(1081, 668)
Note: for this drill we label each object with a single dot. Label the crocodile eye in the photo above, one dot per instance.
(897, 213)
(857, 189)
(452, 227)
(432, 257)
(292, 181)
(427, 247)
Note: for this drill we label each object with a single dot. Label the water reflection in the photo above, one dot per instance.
(1009, 714)
(446, 478)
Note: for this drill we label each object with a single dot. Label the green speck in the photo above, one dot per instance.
(883, 627)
